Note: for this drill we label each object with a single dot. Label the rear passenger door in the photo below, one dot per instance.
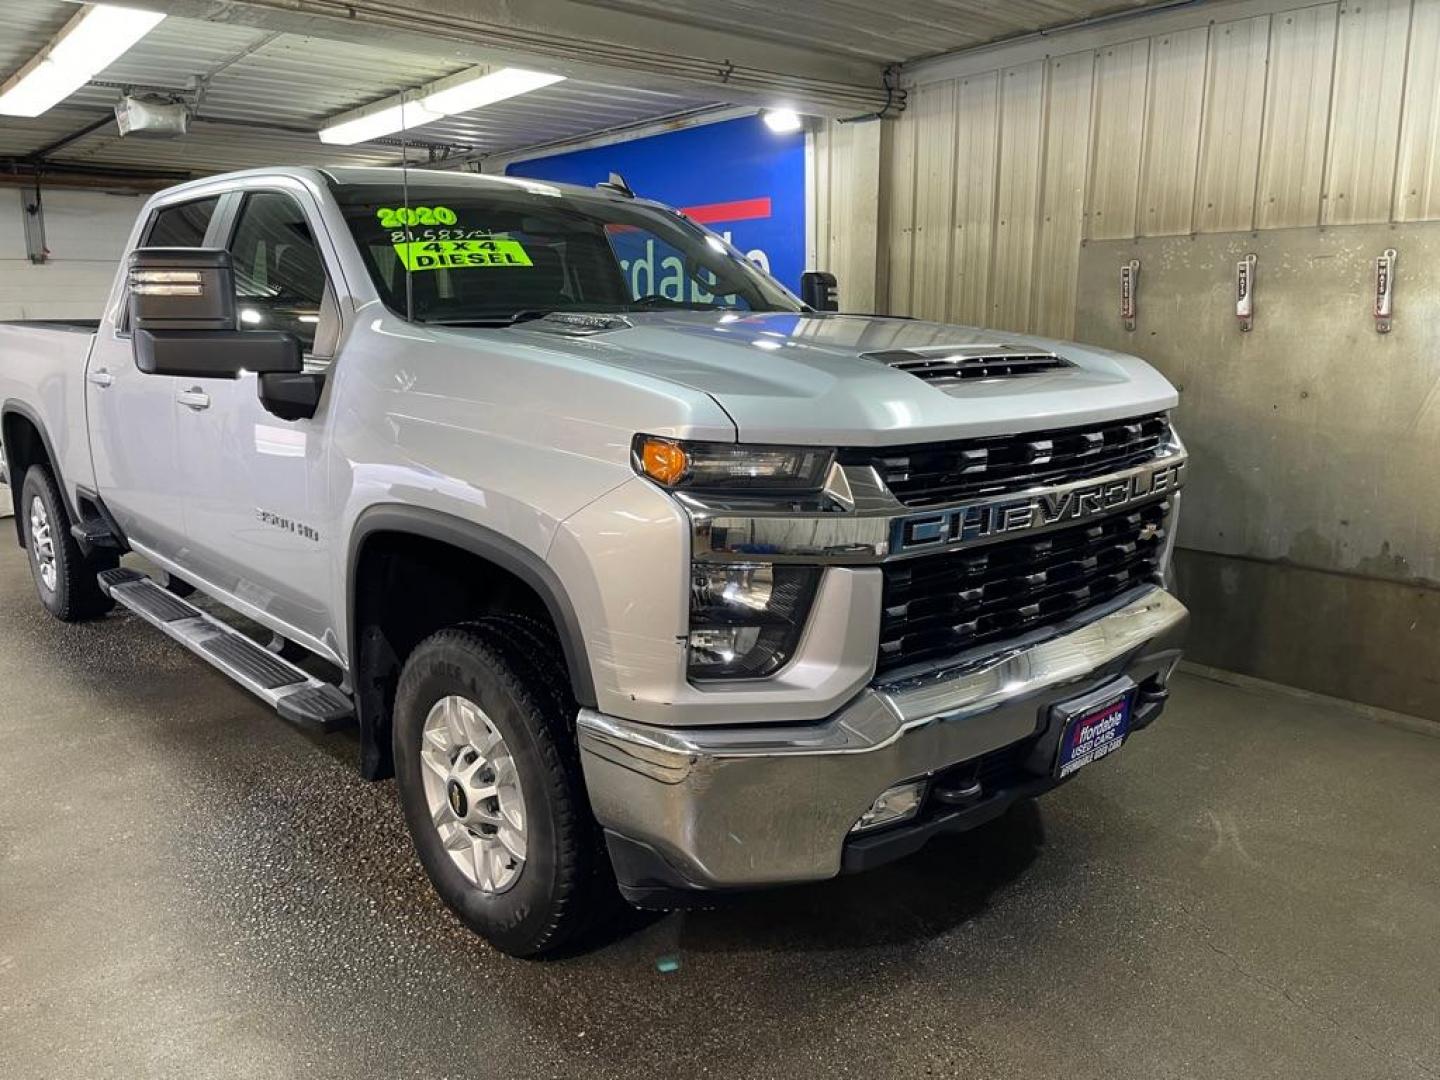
(256, 483)
(132, 416)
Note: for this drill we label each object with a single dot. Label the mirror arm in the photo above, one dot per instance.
(291, 395)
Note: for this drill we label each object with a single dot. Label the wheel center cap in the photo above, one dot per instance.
(455, 793)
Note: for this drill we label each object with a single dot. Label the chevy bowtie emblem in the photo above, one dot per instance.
(1150, 531)
(456, 796)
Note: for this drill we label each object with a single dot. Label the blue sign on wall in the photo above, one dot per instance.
(737, 177)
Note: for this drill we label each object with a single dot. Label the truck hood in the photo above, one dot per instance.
(815, 379)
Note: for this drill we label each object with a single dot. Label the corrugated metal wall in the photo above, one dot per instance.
(1323, 114)
(843, 206)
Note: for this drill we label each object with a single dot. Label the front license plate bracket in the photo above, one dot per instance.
(1093, 726)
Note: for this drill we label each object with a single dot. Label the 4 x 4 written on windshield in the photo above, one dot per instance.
(443, 254)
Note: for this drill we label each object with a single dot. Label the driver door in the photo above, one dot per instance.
(256, 484)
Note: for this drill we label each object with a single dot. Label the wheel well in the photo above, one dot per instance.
(24, 447)
(404, 588)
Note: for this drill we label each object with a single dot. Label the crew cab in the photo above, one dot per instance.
(631, 568)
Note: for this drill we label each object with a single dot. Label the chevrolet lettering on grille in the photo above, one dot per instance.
(1044, 510)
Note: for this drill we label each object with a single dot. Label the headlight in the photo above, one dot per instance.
(746, 618)
(712, 466)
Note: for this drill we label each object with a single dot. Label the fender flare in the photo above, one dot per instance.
(15, 407)
(487, 544)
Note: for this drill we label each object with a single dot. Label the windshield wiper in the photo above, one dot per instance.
(655, 300)
(527, 315)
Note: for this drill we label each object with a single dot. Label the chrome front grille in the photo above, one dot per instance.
(939, 605)
(933, 474)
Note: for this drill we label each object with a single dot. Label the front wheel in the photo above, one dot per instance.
(490, 784)
(64, 577)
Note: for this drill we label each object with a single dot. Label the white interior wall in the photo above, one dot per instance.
(85, 232)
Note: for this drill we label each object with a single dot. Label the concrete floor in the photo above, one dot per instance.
(191, 888)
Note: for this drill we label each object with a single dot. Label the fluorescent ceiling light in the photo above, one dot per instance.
(459, 94)
(373, 125)
(90, 42)
(781, 120)
(476, 93)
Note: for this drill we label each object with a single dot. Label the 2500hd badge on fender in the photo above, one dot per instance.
(661, 580)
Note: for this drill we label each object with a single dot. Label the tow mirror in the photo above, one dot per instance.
(174, 288)
(182, 318)
(820, 290)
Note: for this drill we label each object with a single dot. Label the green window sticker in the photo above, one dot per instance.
(461, 254)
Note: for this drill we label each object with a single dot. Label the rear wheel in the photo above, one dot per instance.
(489, 780)
(64, 577)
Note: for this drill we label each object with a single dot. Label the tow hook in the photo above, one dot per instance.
(962, 792)
(1150, 698)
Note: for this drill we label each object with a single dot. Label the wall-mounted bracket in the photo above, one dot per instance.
(1384, 290)
(32, 212)
(1129, 286)
(1245, 291)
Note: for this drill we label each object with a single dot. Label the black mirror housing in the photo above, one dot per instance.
(174, 288)
(217, 354)
(820, 290)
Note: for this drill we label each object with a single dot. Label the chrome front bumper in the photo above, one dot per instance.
(764, 805)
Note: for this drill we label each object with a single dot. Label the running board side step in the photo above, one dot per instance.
(294, 693)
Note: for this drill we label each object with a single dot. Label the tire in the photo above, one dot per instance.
(515, 674)
(64, 577)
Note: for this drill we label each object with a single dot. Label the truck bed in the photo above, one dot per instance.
(75, 326)
(42, 383)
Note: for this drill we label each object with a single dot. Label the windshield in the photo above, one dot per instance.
(493, 255)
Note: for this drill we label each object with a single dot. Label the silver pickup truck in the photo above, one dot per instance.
(629, 566)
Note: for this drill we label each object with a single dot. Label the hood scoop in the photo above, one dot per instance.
(943, 365)
(580, 323)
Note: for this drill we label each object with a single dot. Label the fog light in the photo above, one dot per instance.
(898, 803)
(722, 645)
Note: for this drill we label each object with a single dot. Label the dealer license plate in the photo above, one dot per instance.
(1092, 732)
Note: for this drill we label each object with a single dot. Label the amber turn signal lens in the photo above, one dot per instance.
(663, 461)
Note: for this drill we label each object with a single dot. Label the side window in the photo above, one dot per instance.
(182, 225)
(279, 275)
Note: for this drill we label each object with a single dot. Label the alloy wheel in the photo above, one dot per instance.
(474, 794)
(42, 543)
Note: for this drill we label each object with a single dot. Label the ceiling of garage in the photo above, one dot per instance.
(263, 93)
(891, 33)
(259, 83)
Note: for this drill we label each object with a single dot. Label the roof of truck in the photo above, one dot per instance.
(359, 175)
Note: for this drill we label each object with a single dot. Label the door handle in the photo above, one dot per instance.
(100, 377)
(194, 398)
